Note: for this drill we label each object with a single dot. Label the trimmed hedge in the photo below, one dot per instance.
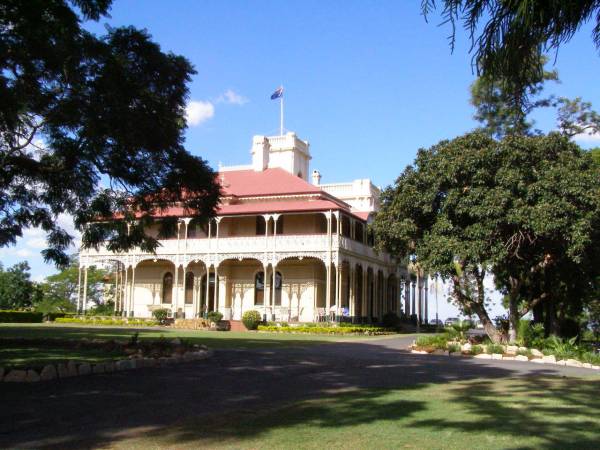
(108, 321)
(370, 330)
(51, 317)
(8, 316)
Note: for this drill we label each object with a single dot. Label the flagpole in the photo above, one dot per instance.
(281, 115)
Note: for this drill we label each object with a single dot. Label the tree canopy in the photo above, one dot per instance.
(509, 37)
(524, 208)
(16, 288)
(91, 126)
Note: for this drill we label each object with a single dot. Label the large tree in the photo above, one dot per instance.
(503, 110)
(16, 288)
(509, 36)
(91, 126)
(525, 208)
(59, 291)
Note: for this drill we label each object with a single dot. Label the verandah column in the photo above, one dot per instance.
(216, 291)
(175, 295)
(132, 298)
(85, 280)
(79, 306)
(125, 294)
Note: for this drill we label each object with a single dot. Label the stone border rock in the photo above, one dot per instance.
(74, 369)
(511, 355)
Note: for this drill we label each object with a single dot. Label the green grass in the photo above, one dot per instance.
(35, 357)
(214, 339)
(524, 413)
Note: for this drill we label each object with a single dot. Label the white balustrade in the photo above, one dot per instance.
(255, 244)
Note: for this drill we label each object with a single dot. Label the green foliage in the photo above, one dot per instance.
(103, 309)
(494, 348)
(390, 320)
(497, 109)
(59, 291)
(80, 111)
(530, 334)
(453, 348)
(161, 315)
(16, 288)
(561, 348)
(214, 316)
(476, 350)
(432, 342)
(595, 153)
(460, 329)
(251, 319)
(508, 36)
(459, 209)
(526, 352)
(20, 317)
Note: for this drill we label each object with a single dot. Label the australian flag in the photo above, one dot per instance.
(278, 93)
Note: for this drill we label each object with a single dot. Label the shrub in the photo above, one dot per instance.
(530, 334)
(433, 342)
(495, 348)
(460, 329)
(8, 316)
(161, 315)
(453, 348)
(390, 320)
(251, 319)
(476, 350)
(214, 316)
(51, 317)
(562, 348)
(525, 352)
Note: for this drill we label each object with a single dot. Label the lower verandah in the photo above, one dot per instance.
(299, 294)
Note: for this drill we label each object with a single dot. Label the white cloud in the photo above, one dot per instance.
(232, 98)
(36, 243)
(588, 137)
(198, 111)
(23, 253)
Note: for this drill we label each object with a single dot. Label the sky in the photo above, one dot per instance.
(366, 83)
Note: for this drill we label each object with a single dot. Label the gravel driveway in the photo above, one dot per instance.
(92, 411)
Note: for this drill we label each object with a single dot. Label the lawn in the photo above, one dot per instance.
(523, 413)
(11, 355)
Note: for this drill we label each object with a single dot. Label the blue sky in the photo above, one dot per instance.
(367, 84)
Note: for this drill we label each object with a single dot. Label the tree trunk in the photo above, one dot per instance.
(488, 325)
(513, 320)
(513, 309)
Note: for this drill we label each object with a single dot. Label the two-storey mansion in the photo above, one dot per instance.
(291, 249)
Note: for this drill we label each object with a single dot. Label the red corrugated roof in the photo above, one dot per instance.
(276, 207)
(364, 215)
(249, 183)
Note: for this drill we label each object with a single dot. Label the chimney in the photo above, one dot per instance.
(260, 153)
(316, 178)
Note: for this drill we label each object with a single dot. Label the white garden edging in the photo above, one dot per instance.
(74, 369)
(538, 357)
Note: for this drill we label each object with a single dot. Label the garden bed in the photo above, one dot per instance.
(367, 330)
(557, 352)
(31, 360)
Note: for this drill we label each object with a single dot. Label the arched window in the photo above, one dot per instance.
(259, 288)
(189, 288)
(278, 283)
(167, 288)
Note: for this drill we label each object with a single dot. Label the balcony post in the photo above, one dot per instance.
(216, 293)
(79, 291)
(125, 296)
(85, 281)
(132, 298)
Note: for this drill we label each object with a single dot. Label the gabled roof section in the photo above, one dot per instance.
(269, 182)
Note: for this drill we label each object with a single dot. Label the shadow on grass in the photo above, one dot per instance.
(214, 339)
(263, 398)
